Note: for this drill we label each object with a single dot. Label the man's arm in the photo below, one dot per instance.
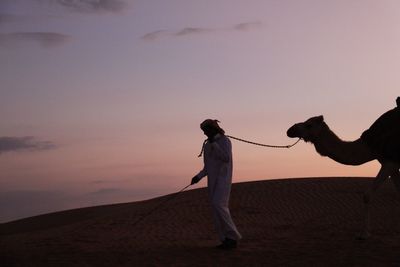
(199, 176)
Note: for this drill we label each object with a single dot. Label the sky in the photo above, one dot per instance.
(101, 100)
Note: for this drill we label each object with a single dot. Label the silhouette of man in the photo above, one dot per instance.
(218, 169)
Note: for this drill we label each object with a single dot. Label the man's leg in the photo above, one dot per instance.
(223, 216)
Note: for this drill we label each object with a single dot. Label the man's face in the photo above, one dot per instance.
(209, 131)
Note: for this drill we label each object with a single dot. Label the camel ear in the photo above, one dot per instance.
(320, 118)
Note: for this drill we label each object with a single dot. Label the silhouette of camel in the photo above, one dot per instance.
(381, 142)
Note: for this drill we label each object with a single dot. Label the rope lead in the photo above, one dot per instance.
(264, 145)
(250, 142)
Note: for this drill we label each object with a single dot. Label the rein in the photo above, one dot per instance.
(252, 143)
(264, 145)
(172, 196)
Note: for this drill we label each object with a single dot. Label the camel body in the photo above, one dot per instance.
(380, 142)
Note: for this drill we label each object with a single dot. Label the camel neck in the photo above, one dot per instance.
(345, 152)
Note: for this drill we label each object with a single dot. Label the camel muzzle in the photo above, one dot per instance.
(292, 132)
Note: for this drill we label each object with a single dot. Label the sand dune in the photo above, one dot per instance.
(293, 222)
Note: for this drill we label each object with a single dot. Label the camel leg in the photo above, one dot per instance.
(386, 170)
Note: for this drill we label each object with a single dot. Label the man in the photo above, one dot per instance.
(218, 169)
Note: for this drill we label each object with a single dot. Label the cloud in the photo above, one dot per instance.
(247, 26)
(44, 39)
(91, 6)
(156, 35)
(152, 36)
(28, 10)
(27, 143)
(191, 31)
(24, 12)
(240, 27)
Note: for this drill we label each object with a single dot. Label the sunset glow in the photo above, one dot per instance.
(109, 98)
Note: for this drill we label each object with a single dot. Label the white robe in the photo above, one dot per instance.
(218, 169)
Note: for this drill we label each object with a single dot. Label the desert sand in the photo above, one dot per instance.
(289, 222)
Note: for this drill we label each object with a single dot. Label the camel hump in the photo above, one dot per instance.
(383, 137)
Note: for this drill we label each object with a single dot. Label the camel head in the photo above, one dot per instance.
(308, 130)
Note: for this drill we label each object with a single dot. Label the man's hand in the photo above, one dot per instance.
(195, 180)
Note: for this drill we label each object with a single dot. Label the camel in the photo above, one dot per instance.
(380, 142)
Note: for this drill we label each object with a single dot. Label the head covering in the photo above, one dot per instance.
(213, 124)
(210, 124)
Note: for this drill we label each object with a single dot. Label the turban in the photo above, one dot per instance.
(213, 124)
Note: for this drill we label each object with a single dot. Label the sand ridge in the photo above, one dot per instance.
(288, 222)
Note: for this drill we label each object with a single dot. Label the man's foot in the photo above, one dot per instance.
(228, 244)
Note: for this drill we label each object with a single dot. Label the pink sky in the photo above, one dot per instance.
(114, 94)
